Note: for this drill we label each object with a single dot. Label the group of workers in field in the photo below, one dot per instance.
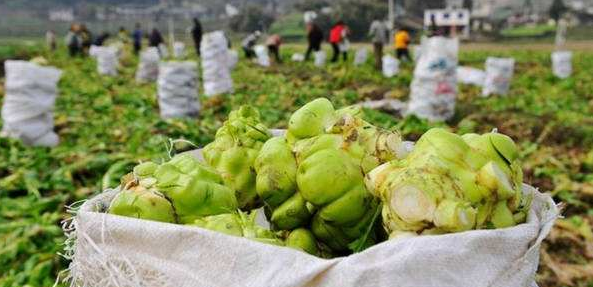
(338, 38)
(79, 39)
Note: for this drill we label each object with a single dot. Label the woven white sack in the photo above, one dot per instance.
(148, 68)
(361, 56)
(470, 76)
(217, 62)
(178, 50)
(27, 109)
(177, 89)
(108, 250)
(119, 47)
(562, 64)
(390, 66)
(93, 50)
(344, 45)
(262, 58)
(297, 57)
(163, 50)
(434, 87)
(320, 58)
(309, 16)
(416, 50)
(107, 59)
(232, 59)
(499, 73)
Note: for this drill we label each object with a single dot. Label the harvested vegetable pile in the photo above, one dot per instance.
(313, 180)
(107, 125)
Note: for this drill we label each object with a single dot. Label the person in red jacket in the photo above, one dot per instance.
(337, 38)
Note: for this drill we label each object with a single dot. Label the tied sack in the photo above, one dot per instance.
(499, 72)
(470, 76)
(107, 59)
(232, 59)
(30, 95)
(390, 66)
(320, 58)
(108, 250)
(216, 64)
(177, 89)
(262, 56)
(178, 50)
(434, 87)
(562, 64)
(361, 56)
(297, 57)
(163, 50)
(416, 50)
(148, 68)
(119, 49)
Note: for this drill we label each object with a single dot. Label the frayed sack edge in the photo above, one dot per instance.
(109, 271)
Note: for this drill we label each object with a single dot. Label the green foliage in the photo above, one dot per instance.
(528, 31)
(311, 5)
(289, 27)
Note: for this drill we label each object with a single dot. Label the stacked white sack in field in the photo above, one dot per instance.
(297, 57)
(107, 59)
(562, 64)
(470, 76)
(434, 88)
(178, 50)
(177, 89)
(416, 50)
(320, 58)
(233, 59)
(119, 48)
(216, 64)
(499, 73)
(261, 53)
(361, 56)
(163, 50)
(30, 95)
(148, 68)
(390, 66)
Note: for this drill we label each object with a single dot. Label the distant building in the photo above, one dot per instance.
(63, 14)
(446, 18)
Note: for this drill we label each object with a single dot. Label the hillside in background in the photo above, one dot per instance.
(31, 18)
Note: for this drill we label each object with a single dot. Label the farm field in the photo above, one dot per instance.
(107, 125)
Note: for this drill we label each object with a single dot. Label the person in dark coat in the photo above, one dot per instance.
(196, 34)
(156, 39)
(249, 43)
(315, 38)
(101, 39)
(73, 40)
(86, 39)
(137, 39)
